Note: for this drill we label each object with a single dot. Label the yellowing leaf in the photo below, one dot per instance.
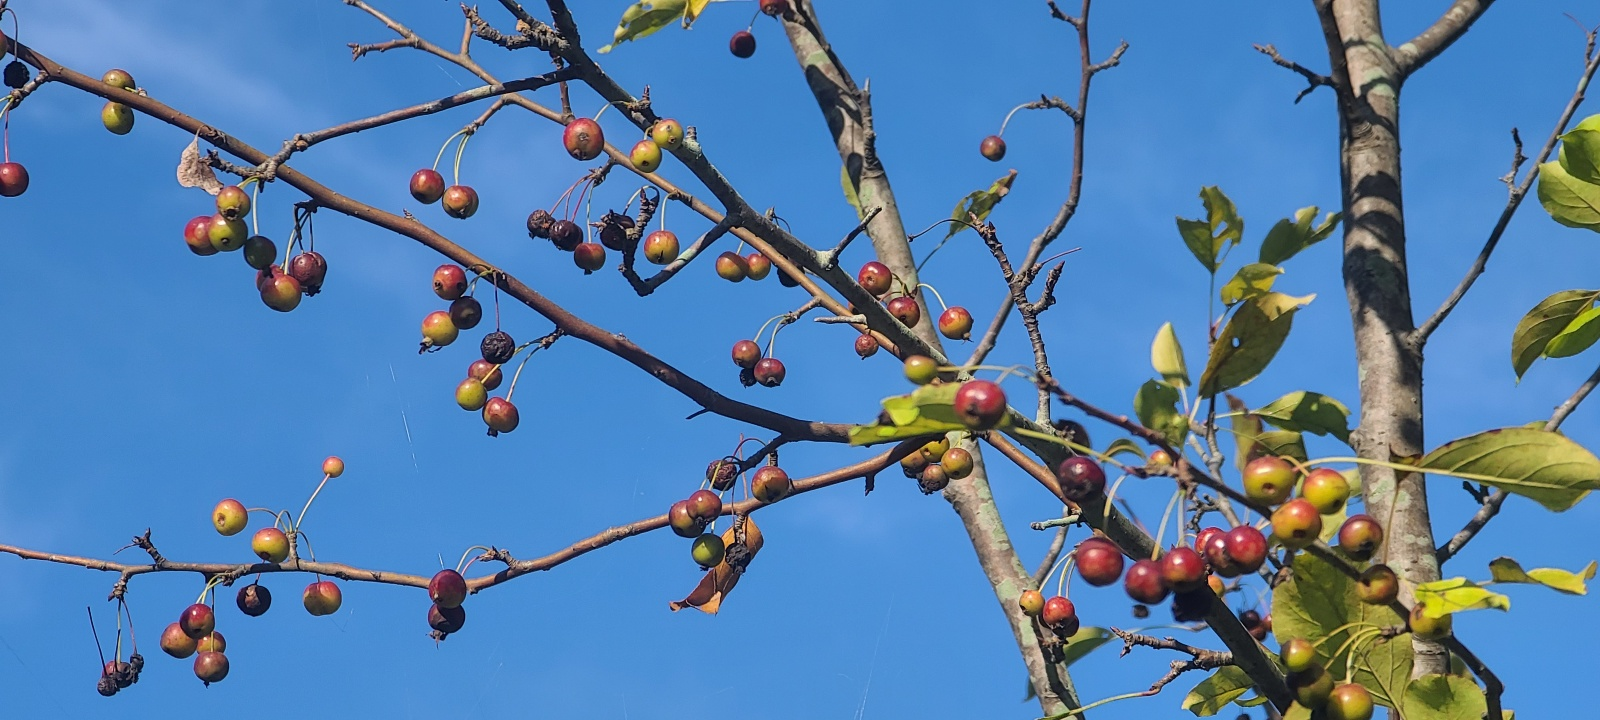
(1253, 280)
(926, 411)
(1452, 595)
(1166, 356)
(1445, 697)
(1221, 225)
(979, 203)
(1250, 340)
(645, 18)
(1552, 316)
(1156, 405)
(1506, 570)
(1309, 412)
(693, 10)
(1124, 445)
(714, 587)
(1544, 466)
(1577, 337)
(1227, 684)
(1580, 154)
(1288, 237)
(1570, 201)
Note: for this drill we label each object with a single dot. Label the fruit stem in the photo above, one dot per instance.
(1084, 449)
(1098, 703)
(277, 520)
(460, 149)
(1061, 254)
(1057, 566)
(301, 518)
(309, 549)
(1111, 496)
(765, 324)
(1161, 529)
(518, 374)
(442, 148)
(464, 555)
(936, 294)
(1349, 644)
(1062, 588)
(255, 196)
(1007, 121)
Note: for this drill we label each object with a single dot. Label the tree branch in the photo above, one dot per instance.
(1087, 69)
(1420, 337)
(1427, 45)
(571, 324)
(1313, 80)
(1491, 503)
(514, 568)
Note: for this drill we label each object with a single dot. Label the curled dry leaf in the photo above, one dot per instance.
(719, 581)
(193, 171)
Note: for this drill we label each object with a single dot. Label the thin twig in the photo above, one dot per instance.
(1419, 337)
(1314, 80)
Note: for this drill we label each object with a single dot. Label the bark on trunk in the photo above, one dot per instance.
(846, 108)
(1378, 289)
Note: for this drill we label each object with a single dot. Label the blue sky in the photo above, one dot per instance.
(144, 384)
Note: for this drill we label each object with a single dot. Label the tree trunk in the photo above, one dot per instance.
(847, 110)
(1378, 289)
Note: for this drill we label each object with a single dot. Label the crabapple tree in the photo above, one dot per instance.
(1313, 582)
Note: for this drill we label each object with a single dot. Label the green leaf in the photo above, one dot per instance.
(1253, 280)
(1214, 693)
(1287, 238)
(1082, 643)
(1544, 466)
(1246, 428)
(1297, 711)
(1221, 226)
(850, 195)
(1577, 337)
(1445, 697)
(1166, 356)
(1250, 340)
(1316, 602)
(1156, 405)
(1283, 442)
(1570, 201)
(1544, 322)
(1580, 154)
(927, 410)
(1125, 445)
(1310, 412)
(1452, 595)
(980, 203)
(645, 18)
(1506, 570)
(1196, 235)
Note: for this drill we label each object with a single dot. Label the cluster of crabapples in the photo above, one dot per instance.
(195, 632)
(442, 327)
(691, 516)
(117, 117)
(954, 323)
(935, 464)
(281, 284)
